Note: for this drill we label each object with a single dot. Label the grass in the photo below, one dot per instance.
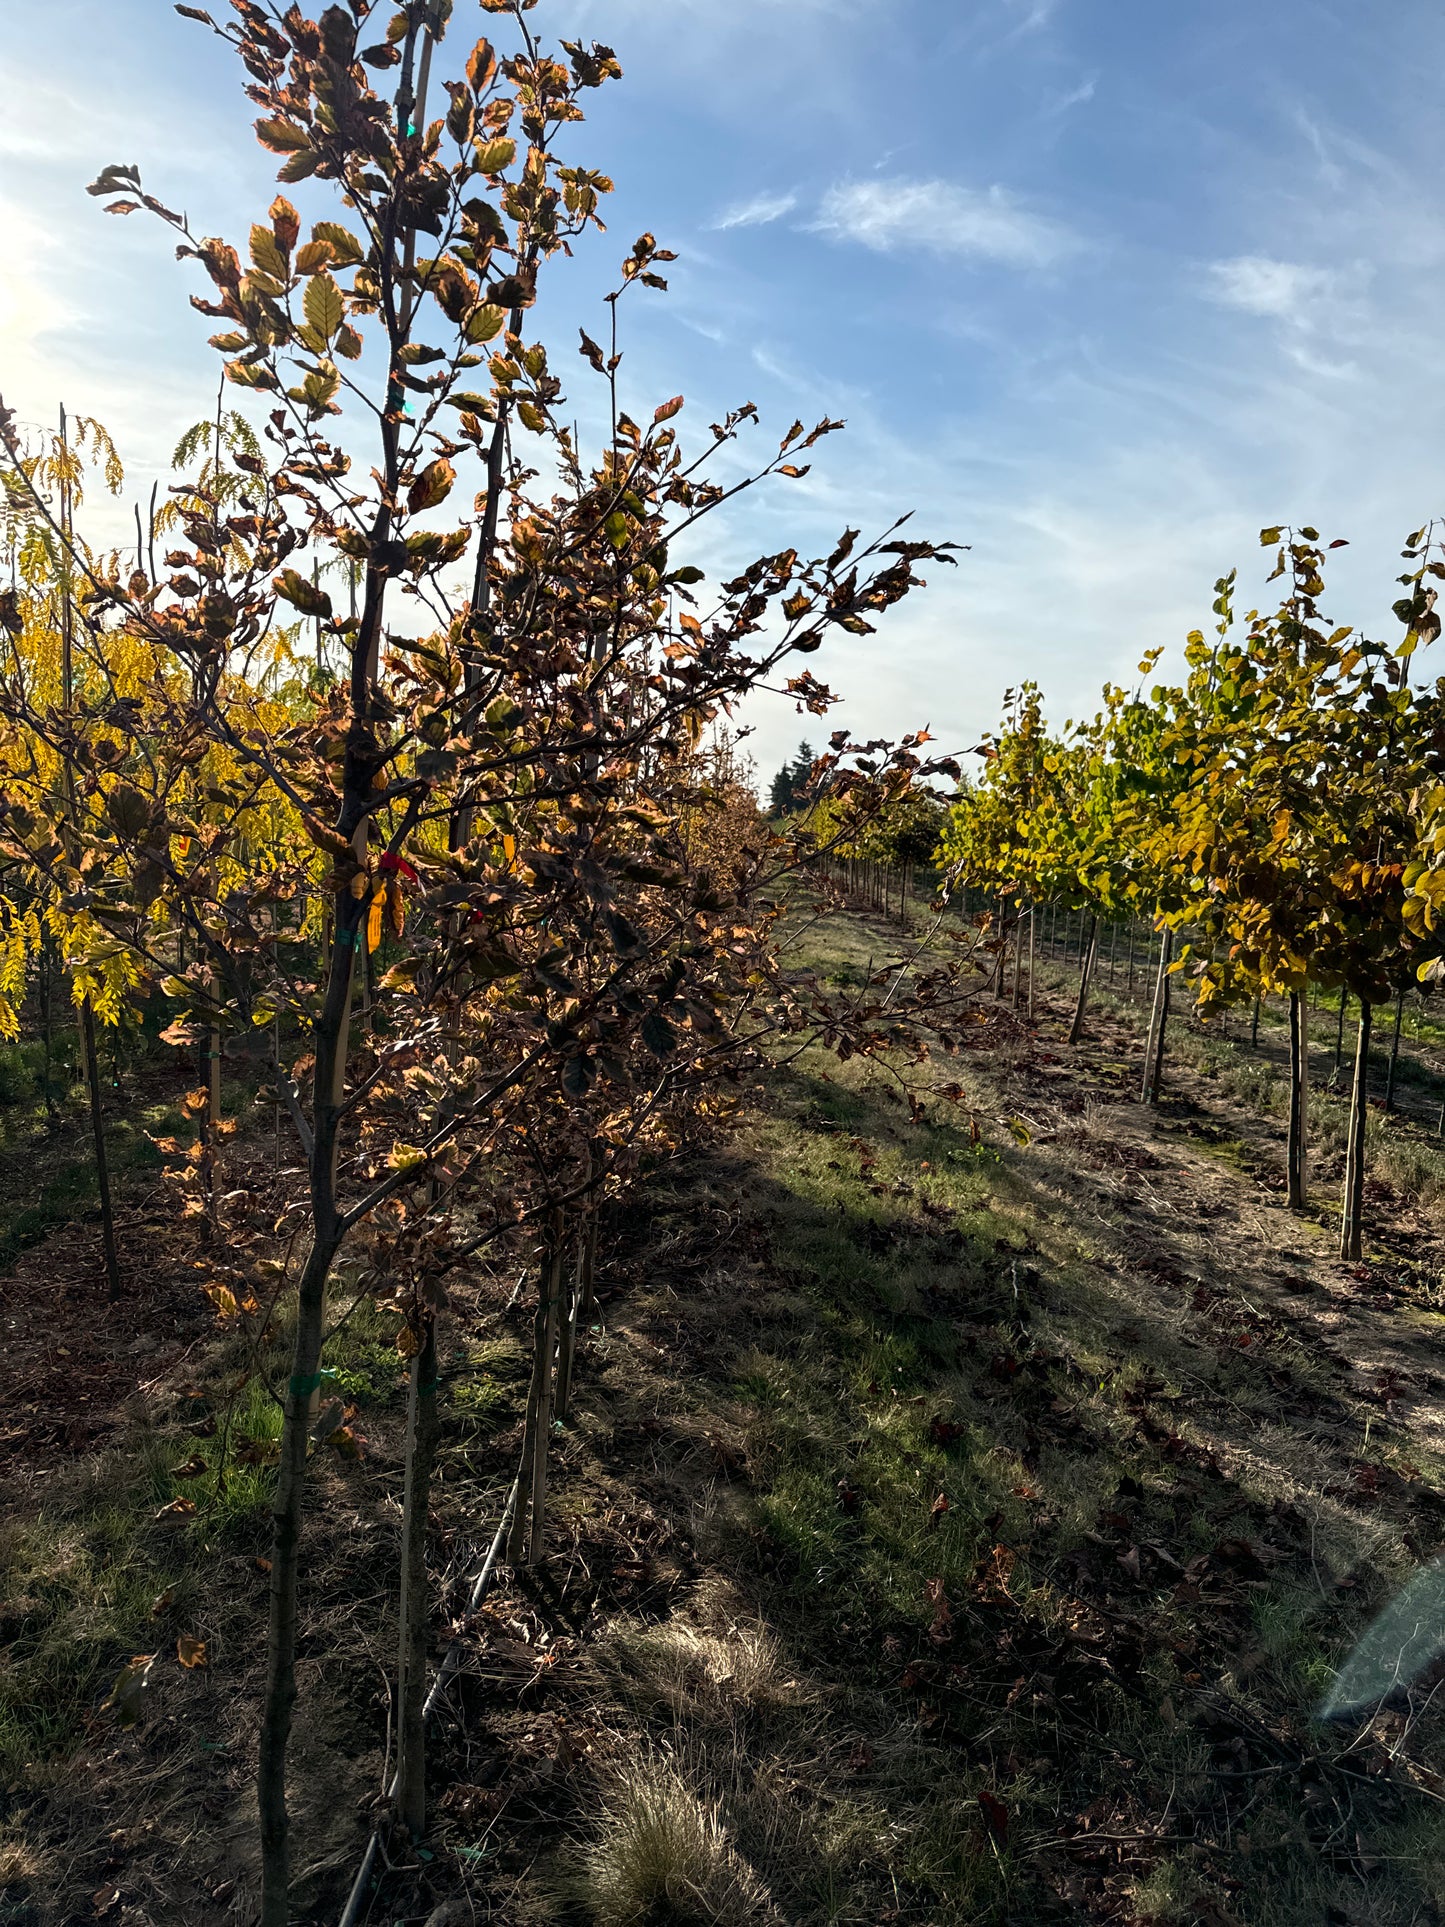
(938, 1326)
(963, 1540)
(122, 1556)
(80, 1581)
(662, 1853)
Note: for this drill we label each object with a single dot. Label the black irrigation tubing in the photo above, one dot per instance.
(360, 1894)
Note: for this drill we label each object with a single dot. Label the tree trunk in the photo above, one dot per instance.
(1130, 985)
(545, 1404)
(102, 1164)
(1033, 955)
(1018, 959)
(569, 1314)
(1254, 1024)
(1340, 1037)
(213, 1114)
(286, 1509)
(47, 1029)
(524, 1542)
(331, 1034)
(1086, 970)
(421, 1445)
(1352, 1216)
(589, 1259)
(1394, 1049)
(1298, 1098)
(1158, 1024)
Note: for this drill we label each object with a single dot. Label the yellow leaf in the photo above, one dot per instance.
(266, 254)
(190, 1651)
(373, 921)
(494, 155)
(407, 1342)
(322, 303)
(406, 1157)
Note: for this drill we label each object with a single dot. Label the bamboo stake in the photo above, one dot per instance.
(1352, 1215)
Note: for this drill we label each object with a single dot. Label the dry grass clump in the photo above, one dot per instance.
(1416, 1170)
(687, 1668)
(19, 1864)
(716, 1659)
(661, 1853)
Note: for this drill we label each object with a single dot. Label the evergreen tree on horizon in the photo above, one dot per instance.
(791, 780)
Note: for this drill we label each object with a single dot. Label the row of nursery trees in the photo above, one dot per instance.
(385, 760)
(1279, 817)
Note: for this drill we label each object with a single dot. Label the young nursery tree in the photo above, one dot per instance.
(492, 790)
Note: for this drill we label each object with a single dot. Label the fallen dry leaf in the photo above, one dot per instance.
(127, 1695)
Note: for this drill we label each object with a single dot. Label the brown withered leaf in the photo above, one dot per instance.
(940, 1629)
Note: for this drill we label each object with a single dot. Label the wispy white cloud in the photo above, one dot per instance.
(758, 212)
(984, 224)
(1075, 97)
(1278, 290)
(1033, 15)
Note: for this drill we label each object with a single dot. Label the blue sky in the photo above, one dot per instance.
(1100, 287)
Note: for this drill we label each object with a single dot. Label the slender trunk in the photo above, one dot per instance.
(421, 1445)
(1130, 985)
(1298, 1097)
(546, 1400)
(529, 1517)
(1018, 959)
(87, 1013)
(1113, 949)
(587, 1297)
(1352, 1216)
(1254, 1024)
(276, 1119)
(280, 1697)
(1340, 1037)
(102, 1164)
(1033, 955)
(1086, 970)
(568, 1314)
(1394, 1049)
(213, 1112)
(1158, 1024)
(46, 1042)
(331, 1034)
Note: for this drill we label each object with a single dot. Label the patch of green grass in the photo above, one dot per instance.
(68, 1189)
(79, 1583)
